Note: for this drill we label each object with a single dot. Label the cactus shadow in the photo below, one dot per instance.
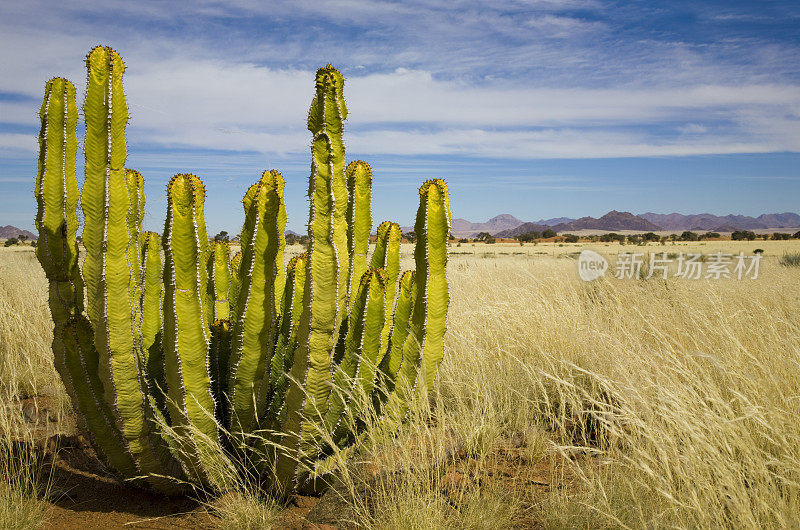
(83, 490)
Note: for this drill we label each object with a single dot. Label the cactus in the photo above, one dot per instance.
(175, 361)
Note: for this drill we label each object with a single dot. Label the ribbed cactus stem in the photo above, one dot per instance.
(108, 269)
(286, 342)
(359, 220)
(355, 375)
(134, 182)
(56, 188)
(399, 331)
(291, 313)
(219, 279)
(219, 353)
(245, 240)
(204, 253)
(56, 194)
(432, 297)
(262, 274)
(186, 333)
(325, 294)
(423, 346)
(152, 317)
(233, 291)
(78, 342)
(387, 257)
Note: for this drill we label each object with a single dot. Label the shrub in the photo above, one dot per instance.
(611, 236)
(529, 236)
(791, 259)
(742, 235)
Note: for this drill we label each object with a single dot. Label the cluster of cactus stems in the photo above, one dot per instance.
(173, 351)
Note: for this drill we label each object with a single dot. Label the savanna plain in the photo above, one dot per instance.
(619, 403)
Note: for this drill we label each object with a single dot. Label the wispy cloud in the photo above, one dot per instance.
(230, 81)
(245, 107)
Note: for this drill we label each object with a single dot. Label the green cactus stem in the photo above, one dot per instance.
(219, 279)
(432, 297)
(56, 194)
(359, 220)
(109, 270)
(219, 353)
(134, 182)
(291, 312)
(254, 331)
(355, 375)
(152, 318)
(186, 336)
(325, 295)
(399, 332)
(233, 291)
(77, 339)
(387, 257)
(423, 346)
(286, 343)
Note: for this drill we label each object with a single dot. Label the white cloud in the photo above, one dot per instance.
(558, 143)
(242, 107)
(693, 128)
(183, 93)
(19, 142)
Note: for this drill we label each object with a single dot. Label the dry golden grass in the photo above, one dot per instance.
(26, 371)
(685, 395)
(691, 389)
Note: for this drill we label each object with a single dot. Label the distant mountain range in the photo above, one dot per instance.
(500, 223)
(613, 220)
(507, 225)
(464, 228)
(8, 231)
(706, 221)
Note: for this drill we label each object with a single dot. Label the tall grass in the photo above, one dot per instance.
(791, 259)
(26, 331)
(26, 370)
(23, 480)
(690, 389)
(646, 404)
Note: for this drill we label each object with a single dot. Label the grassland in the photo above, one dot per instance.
(560, 403)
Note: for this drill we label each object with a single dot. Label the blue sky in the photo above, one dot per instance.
(538, 108)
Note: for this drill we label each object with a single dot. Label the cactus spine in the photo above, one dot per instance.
(171, 351)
